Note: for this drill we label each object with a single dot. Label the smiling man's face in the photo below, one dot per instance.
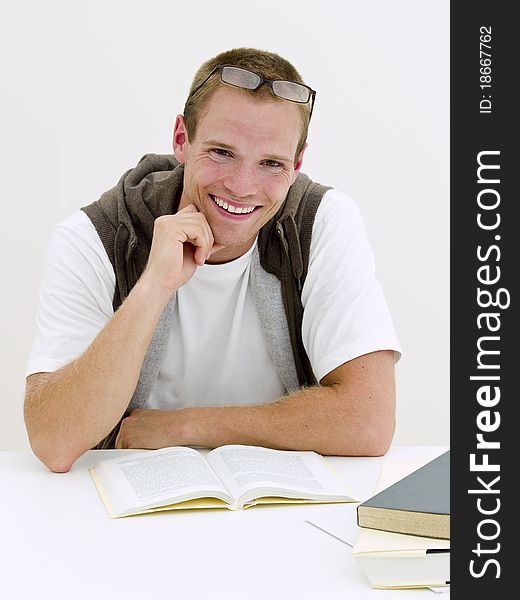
(240, 165)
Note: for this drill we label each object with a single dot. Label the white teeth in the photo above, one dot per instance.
(233, 209)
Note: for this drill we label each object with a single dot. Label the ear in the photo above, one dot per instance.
(180, 139)
(299, 162)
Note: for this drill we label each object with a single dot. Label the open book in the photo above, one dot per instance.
(233, 477)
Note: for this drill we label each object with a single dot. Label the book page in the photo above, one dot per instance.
(272, 472)
(150, 478)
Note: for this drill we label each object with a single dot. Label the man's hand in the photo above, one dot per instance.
(150, 429)
(181, 243)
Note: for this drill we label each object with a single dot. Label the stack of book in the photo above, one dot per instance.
(404, 536)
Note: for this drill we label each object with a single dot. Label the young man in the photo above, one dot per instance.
(198, 351)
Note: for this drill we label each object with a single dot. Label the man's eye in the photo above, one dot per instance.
(273, 163)
(219, 152)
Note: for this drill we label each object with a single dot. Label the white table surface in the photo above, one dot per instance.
(57, 542)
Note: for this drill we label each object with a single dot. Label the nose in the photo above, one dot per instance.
(241, 180)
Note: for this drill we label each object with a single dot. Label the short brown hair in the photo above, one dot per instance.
(267, 64)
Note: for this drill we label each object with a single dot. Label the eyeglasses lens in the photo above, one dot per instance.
(291, 91)
(240, 78)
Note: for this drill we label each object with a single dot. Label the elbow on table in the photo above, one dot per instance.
(377, 447)
(373, 438)
(58, 458)
(377, 437)
(365, 447)
(46, 433)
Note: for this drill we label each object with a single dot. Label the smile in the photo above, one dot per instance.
(234, 209)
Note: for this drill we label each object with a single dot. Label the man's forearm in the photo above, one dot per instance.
(69, 411)
(351, 413)
(311, 419)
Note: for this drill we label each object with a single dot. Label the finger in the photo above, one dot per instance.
(187, 209)
(188, 225)
(216, 248)
(201, 254)
(200, 236)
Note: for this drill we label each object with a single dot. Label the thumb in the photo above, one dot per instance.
(189, 208)
(216, 248)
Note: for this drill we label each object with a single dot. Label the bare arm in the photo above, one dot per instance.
(69, 411)
(351, 414)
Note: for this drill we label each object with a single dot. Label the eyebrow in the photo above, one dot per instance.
(229, 147)
(219, 144)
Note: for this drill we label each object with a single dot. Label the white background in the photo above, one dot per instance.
(87, 88)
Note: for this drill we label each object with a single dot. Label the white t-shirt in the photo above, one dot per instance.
(217, 354)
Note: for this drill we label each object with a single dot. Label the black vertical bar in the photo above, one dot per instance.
(484, 256)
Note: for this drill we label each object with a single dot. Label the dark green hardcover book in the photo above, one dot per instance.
(418, 504)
